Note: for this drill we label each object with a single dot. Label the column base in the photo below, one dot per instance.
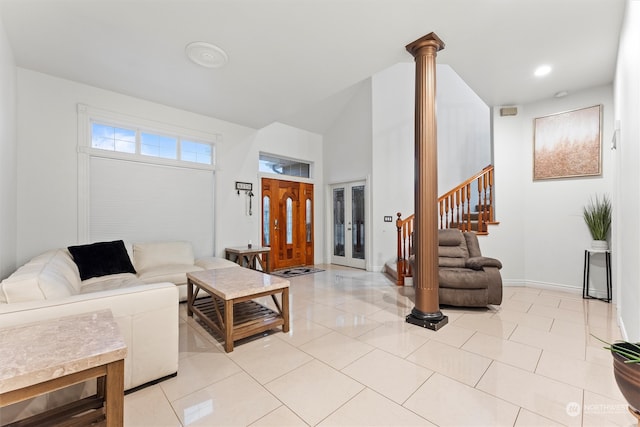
(433, 321)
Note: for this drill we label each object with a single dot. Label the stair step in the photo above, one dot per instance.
(475, 226)
(391, 268)
(473, 215)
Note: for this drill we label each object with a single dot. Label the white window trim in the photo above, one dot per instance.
(87, 114)
(285, 178)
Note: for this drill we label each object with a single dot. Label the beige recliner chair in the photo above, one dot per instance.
(466, 278)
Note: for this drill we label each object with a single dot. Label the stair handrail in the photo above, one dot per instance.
(455, 205)
(484, 171)
(455, 209)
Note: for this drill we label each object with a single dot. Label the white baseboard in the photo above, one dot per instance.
(623, 330)
(543, 285)
(514, 282)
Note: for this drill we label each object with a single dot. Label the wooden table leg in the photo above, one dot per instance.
(267, 263)
(251, 261)
(189, 297)
(228, 326)
(114, 403)
(285, 309)
(259, 259)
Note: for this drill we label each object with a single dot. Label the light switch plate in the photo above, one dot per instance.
(388, 218)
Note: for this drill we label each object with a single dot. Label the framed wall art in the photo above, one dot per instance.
(568, 144)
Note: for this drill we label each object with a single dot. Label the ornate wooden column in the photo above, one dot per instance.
(427, 312)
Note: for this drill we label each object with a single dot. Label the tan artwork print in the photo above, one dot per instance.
(567, 144)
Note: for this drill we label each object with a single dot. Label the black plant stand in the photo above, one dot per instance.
(585, 277)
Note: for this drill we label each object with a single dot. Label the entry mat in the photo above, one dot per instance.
(298, 271)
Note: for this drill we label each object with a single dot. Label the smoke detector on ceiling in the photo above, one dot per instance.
(206, 54)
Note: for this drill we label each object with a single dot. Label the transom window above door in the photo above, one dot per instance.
(282, 166)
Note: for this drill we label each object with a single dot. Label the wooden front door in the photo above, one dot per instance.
(287, 222)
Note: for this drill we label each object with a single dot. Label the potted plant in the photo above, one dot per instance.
(626, 370)
(597, 216)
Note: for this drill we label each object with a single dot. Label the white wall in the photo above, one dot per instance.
(8, 169)
(47, 160)
(511, 146)
(347, 144)
(393, 155)
(47, 174)
(347, 155)
(542, 236)
(464, 130)
(626, 229)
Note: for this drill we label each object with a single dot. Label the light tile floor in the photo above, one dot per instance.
(350, 359)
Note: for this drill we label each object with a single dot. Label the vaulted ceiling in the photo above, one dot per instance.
(297, 61)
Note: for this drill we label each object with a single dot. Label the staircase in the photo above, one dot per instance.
(468, 207)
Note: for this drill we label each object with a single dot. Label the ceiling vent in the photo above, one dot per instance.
(508, 111)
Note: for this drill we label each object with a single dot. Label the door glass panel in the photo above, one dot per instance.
(338, 222)
(357, 218)
(289, 221)
(266, 218)
(308, 220)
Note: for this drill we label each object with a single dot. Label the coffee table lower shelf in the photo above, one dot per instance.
(249, 318)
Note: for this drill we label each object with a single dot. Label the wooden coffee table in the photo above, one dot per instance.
(231, 310)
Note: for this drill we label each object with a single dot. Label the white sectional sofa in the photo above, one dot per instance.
(170, 261)
(144, 303)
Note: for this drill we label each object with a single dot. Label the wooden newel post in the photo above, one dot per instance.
(427, 312)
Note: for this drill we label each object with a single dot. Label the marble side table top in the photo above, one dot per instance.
(37, 352)
(243, 250)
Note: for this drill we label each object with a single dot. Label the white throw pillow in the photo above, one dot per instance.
(150, 255)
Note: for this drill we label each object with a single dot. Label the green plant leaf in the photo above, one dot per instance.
(597, 216)
(631, 354)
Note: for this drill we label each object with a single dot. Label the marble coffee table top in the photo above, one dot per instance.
(235, 282)
(36, 352)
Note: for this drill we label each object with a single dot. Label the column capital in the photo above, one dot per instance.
(430, 40)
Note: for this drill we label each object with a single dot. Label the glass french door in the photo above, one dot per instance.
(348, 224)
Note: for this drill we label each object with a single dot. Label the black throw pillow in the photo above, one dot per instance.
(102, 258)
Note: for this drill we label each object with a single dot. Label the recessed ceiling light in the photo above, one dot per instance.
(542, 70)
(206, 54)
